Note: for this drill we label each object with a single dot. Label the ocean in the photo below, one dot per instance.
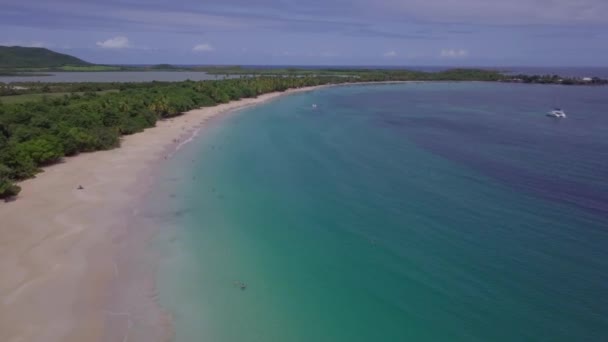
(402, 212)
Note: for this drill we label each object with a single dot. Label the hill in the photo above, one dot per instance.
(29, 57)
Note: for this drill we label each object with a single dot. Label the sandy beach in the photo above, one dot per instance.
(60, 245)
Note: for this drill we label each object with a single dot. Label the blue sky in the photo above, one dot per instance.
(315, 32)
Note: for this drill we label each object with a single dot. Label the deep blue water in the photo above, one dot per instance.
(422, 212)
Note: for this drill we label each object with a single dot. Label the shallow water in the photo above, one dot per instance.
(423, 212)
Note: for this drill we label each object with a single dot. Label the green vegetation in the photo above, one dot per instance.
(23, 88)
(7, 188)
(22, 61)
(39, 97)
(12, 57)
(164, 67)
(343, 72)
(361, 74)
(555, 79)
(402, 74)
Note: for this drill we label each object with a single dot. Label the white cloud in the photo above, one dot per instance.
(391, 53)
(454, 53)
(119, 42)
(203, 48)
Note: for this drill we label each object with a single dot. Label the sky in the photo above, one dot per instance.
(315, 32)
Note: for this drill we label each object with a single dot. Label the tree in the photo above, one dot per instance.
(43, 150)
(7, 188)
(75, 140)
(20, 165)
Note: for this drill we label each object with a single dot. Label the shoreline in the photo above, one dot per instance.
(66, 249)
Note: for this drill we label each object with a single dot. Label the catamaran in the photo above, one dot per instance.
(557, 113)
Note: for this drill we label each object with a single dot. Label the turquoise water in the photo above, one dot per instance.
(412, 212)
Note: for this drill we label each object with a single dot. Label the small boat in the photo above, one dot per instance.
(557, 113)
(314, 106)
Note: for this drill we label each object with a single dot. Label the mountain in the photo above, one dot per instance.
(30, 57)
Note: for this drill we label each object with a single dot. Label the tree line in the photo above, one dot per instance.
(22, 88)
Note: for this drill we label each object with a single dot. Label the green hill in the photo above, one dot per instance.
(29, 57)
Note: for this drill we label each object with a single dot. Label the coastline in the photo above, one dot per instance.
(66, 249)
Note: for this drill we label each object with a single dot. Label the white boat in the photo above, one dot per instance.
(557, 113)
(314, 106)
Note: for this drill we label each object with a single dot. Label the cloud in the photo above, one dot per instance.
(492, 12)
(454, 53)
(390, 54)
(203, 48)
(119, 42)
(358, 18)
